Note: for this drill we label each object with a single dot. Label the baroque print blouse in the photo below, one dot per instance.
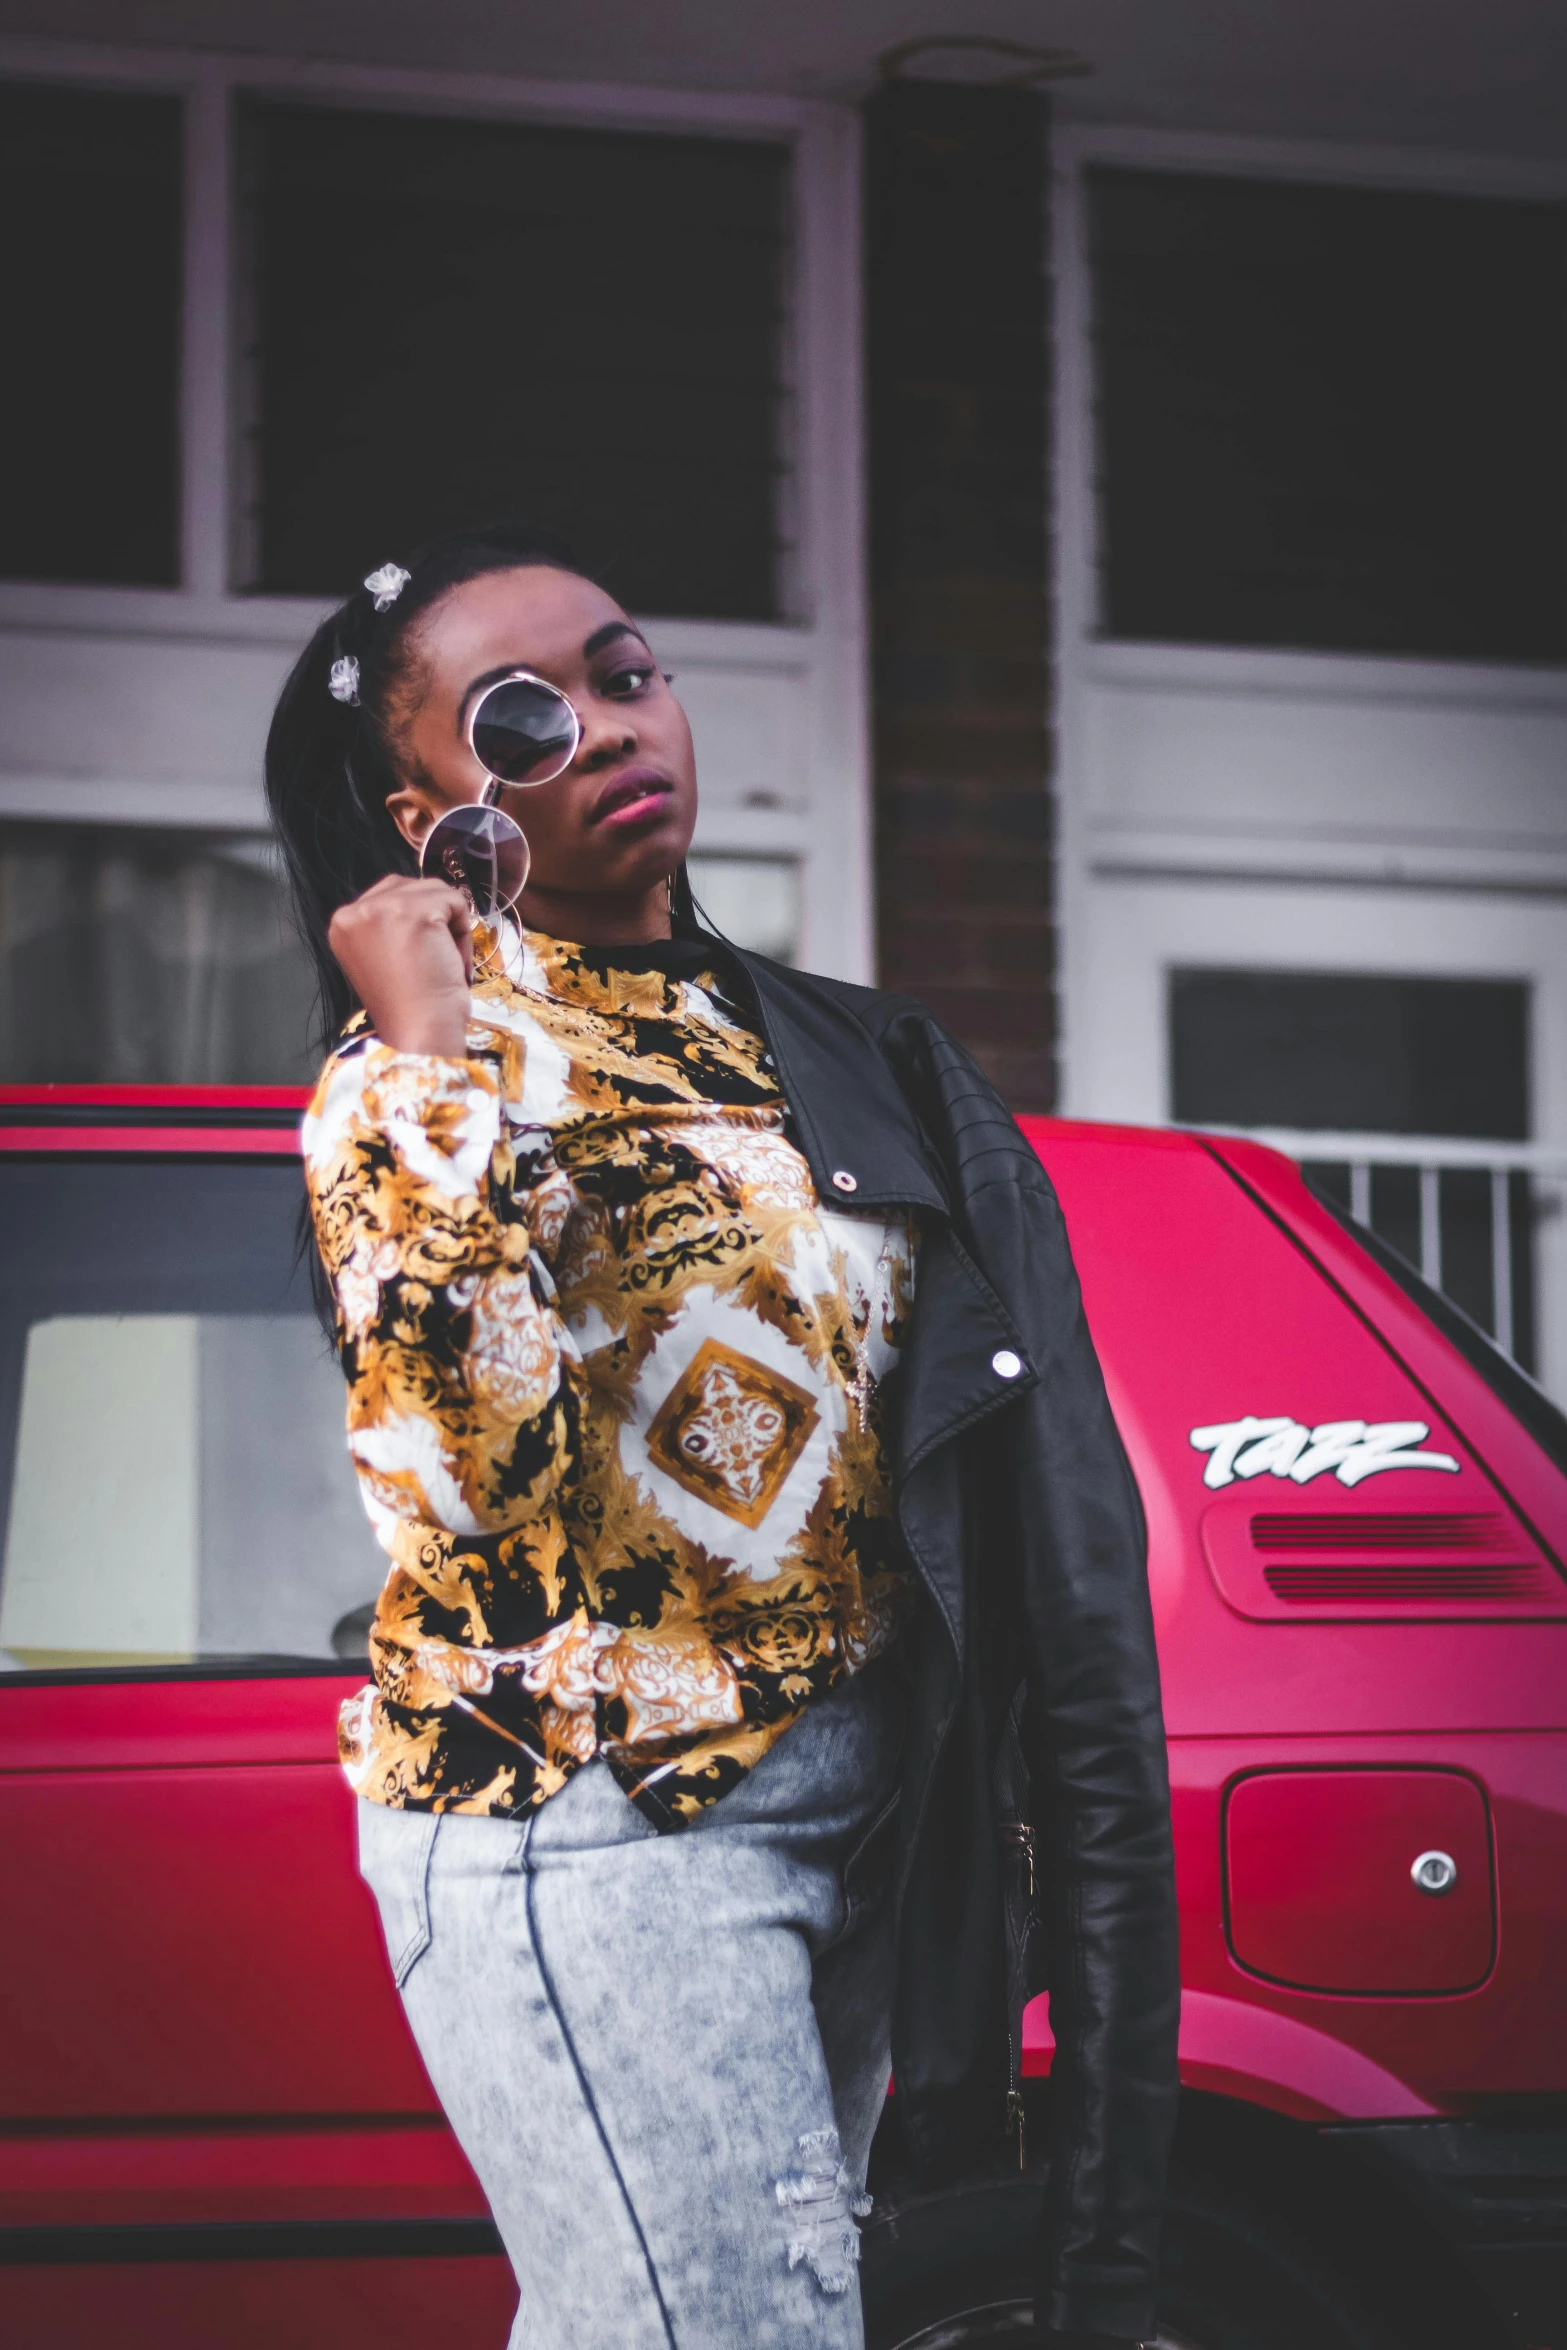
(613, 1375)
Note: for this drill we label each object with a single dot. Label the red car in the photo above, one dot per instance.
(215, 2130)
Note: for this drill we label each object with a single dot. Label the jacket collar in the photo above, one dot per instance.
(851, 1119)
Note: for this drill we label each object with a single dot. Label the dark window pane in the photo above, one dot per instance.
(1351, 1052)
(89, 292)
(1330, 1180)
(1395, 1208)
(1522, 1213)
(1330, 417)
(1467, 1243)
(202, 1508)
(455, 321)
(141, 957)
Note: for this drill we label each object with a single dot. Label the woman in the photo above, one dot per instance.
(719, 1388)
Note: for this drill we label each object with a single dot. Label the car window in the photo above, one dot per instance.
(1527, 1402)
(176, 1487)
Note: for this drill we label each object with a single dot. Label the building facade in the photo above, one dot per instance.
(1118, 577)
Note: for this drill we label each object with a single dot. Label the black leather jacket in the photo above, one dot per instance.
(1024, 1526)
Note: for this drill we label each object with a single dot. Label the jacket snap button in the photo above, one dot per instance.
(844, 1181)
(1005, 1363)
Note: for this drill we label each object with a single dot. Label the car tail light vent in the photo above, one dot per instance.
(1368, 1555)
(1278, 1564)
(1469, 1530)
(1366, 1580)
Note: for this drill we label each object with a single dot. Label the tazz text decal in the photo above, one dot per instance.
(1352, 1449)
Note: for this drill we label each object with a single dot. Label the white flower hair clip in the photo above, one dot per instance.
(387, 584)
(343, 682)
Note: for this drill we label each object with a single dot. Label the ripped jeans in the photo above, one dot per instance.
(665, 2056)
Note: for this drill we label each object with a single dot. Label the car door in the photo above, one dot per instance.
(213, 2123)
(1356, 1561)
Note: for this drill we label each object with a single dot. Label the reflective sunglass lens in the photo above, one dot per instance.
(524, 732)
(481, 852)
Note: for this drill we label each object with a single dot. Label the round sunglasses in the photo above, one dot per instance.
(523, 731)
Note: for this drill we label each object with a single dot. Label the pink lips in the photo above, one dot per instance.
(634, 795)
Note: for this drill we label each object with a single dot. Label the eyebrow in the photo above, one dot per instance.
(491, 677)
(607, 635)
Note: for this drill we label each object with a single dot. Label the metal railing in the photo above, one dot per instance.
(1431, 1157)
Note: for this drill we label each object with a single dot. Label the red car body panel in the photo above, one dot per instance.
(1208, 1301)
(201, 2028)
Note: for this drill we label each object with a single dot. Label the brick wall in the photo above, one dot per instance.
(958, 406)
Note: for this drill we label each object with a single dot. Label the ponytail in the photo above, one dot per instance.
(332, 759)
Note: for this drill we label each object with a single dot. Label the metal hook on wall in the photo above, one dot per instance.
(1018, 65)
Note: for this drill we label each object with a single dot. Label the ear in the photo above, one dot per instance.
(412, 814)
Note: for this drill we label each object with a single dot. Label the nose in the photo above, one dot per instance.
(607, 734)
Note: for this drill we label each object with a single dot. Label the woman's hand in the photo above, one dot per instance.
(406, 947)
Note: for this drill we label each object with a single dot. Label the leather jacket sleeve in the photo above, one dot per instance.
(1093, 1727)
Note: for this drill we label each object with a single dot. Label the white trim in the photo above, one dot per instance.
(1501, 1258)
(840, 927)
(1395, 1150)
(205, 359)
(1347, 677)
(95, 65)
(774, 833)
(1075, 600)
(244, 618)
(1359, 858)
(599, 105)
(1329, 161)
(132, 799)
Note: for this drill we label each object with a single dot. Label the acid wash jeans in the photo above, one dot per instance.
(665, 2056)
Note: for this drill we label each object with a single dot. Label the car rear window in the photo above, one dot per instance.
(1527, 1402)
(175, 1485)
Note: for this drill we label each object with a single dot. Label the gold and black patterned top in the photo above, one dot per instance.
(613, 1376)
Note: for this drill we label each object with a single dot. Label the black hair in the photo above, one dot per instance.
(331, 764)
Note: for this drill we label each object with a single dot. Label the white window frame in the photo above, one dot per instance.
(814, 664)
(1092, 851)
